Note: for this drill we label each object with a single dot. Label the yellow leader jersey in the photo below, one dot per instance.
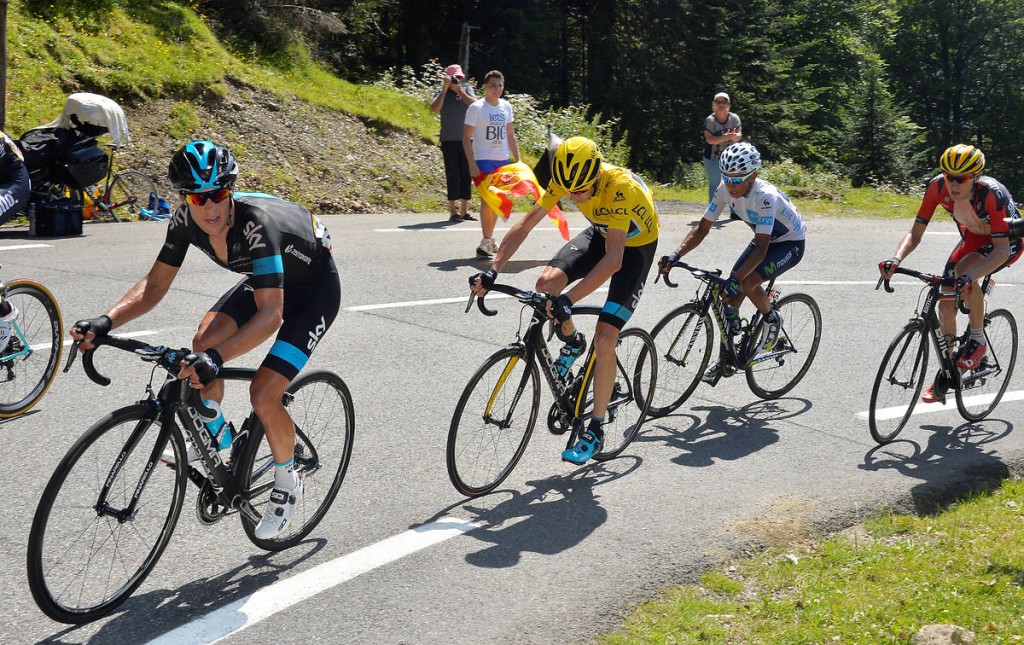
(621, 200)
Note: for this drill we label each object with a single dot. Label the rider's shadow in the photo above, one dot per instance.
(952, 464)
(180, 606)
(512, 266)
(725, 433)
(557, 514)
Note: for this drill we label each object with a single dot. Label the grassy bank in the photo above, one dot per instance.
(880, 584)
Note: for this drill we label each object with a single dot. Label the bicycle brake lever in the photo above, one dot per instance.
(469, 304)
(71, 356)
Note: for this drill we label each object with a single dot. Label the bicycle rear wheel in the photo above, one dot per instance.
(774, 373)
(983, 388)
(684, 341)
(129, 191)
(898, 383)
(320, 405)
(493, 421)
(85, 556)
(29, 362)
(636, 372)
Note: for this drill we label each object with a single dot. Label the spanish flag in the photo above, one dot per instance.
(497, 189)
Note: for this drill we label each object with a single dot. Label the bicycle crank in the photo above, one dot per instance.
(209, 510)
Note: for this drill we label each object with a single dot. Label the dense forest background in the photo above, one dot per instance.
(872, 90)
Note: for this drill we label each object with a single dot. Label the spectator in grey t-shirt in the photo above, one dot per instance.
(451, 101)
(722, 128)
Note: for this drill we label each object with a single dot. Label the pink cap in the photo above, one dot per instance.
(454, 70)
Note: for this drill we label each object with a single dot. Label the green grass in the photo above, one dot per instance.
(964, 566)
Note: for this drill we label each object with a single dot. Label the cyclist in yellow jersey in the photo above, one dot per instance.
(620, 245)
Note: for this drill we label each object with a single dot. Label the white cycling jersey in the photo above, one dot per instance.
(766, 209)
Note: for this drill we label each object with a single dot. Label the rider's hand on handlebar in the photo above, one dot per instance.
(201, 367)
(666, 262)
(963, 284)
(560, 307)
(731, 287)
(888, 267)
(88, 329)
(480, 283)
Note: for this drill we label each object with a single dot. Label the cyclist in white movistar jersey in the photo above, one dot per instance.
(778, 244)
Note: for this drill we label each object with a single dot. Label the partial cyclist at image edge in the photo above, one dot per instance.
(291, 287)
(619, 246)
(982, 208)
(778, 245)
(15, 188)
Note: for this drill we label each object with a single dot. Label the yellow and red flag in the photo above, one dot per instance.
(499, 188)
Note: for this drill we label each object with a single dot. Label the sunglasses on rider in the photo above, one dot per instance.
(736, 180)
(200, 199)
(957, 179)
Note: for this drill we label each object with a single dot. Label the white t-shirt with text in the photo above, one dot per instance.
(490, 134)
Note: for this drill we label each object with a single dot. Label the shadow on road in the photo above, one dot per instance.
(512, 266)
(180, 606)
(725, 434)
(953, 462)
(555, 514)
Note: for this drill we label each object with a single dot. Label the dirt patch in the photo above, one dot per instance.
(788, 523)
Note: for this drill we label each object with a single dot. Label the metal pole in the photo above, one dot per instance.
(3, 64)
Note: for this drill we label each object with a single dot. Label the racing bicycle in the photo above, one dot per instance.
(498, 409)
(685, 340)
(31, 356)
(903, 371)
(110, 507)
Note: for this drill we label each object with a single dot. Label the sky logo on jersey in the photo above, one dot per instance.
(253, 236)
(177, 218)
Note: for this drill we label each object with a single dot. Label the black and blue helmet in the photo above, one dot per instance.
(202, 165)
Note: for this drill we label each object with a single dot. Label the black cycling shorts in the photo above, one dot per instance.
(581, 255)
(309, 310)
(963, 249)
(781, 257)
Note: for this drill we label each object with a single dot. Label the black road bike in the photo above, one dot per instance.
(498, 409)
(685, 340)
(110, 507)
(904, 368)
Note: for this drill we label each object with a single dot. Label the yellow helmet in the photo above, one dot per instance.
(576, 164)
(962, 159)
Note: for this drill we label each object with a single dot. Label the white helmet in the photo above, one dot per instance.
(740, 159)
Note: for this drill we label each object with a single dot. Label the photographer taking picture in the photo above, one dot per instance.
(451, 101)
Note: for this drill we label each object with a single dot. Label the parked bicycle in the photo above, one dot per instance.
(498, 409)
(31, 356)
(112, 503)
(119, 196)
(685, 340)
(903, 371)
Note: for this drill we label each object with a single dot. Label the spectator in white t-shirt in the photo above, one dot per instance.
(490, 143)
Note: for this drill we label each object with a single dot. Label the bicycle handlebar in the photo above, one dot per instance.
(532, 298)
(703, 274)
(165, 357)
(928, 278)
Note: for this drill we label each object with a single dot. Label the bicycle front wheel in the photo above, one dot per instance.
(86, 552)
(983, 388)
(320, 405)
(636, 372)
(29, 361)
(129, 191)
(898, 383)
(774, 373)
(684, 341)
(493, 421)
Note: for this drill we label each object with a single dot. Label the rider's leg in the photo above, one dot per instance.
(214, 329)
(605, 340)
(265, 393)
(553, 282)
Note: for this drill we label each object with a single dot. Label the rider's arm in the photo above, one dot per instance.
(910, 241)
(263, 324)
(755, 257)
(614, 249)
(146, 294)
(694, 237)
(515, 236)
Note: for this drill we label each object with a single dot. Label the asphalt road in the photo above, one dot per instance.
(558, 553)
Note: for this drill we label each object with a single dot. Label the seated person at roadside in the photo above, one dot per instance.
(981, 207)
(777, 247)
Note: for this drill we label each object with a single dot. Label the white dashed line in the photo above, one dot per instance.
(926, 408)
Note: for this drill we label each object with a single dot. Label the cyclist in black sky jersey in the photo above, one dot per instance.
(291, 287)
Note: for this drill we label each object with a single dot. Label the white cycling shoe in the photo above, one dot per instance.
(277, 516)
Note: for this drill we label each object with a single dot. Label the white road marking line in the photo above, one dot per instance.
(68, 341)
(281, 595)
(25, 246)
(925, 408)
(450, 229)
(437, 301)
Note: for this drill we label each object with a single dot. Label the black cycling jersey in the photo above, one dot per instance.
(278, 243)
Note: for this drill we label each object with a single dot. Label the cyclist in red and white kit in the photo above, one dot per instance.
(982, 208)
